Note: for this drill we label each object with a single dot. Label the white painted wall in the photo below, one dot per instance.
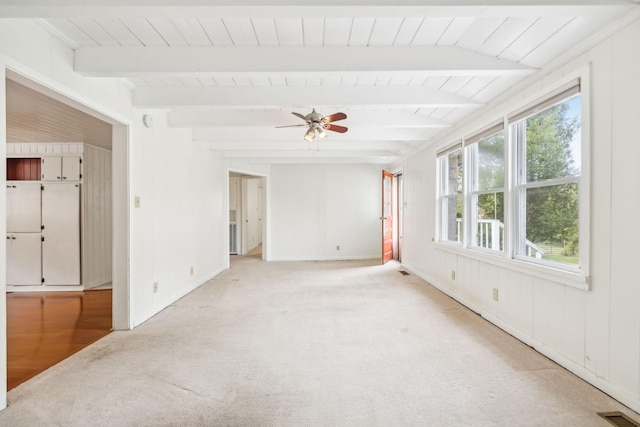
(182, 220)
(3, 232)
(314, 208)
(594, 333)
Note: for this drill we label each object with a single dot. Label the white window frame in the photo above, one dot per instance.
(443, 195)
(471, 193)
(518, 142)
(510, 258)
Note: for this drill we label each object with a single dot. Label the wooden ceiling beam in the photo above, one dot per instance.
(298, 97)
(202, 118)
(121, 61)
(297, 8)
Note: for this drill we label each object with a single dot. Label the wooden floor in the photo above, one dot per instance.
(44, 328)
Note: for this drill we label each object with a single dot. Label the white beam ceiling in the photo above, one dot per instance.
(110, 61)
(315, 96)
(198, 118)
(361, 133)
(233, 70)
(295, 8)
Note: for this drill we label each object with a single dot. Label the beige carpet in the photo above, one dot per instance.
(309, 344)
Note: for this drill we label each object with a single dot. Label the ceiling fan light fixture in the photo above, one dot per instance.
(318, 123)
(321, 133)
(310, 135)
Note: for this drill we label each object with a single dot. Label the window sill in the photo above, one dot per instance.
(569, 278)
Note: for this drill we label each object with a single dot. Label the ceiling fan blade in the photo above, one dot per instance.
(299, 115)
(335, 128)
(291, 126)
(334, 117)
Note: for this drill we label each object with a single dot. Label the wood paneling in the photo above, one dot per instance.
(44, 328)
(33, 117)
(23, 169)
(96, 247)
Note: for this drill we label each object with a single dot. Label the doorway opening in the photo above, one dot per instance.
(398, 205)
(247, 232)
(85, 296)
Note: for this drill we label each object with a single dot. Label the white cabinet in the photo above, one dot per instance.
(61, 234)
(61, 168)
(24, 259)
(43, 219)
(23, 207)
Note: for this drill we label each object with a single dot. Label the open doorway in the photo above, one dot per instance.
(246, 214)
(398, 205)
(46, 131)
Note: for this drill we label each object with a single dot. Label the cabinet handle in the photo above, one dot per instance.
(58, 177)
(64, 177)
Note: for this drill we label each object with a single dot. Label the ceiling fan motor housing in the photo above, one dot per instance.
(313, 117)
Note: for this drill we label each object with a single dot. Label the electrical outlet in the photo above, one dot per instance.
(337, 247)
(155, 287)
(495, 294)
(192, 270)
(453, 275)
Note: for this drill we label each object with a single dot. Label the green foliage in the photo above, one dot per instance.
(552, 211)
(549, 136)
(491, 162)
(490, 176)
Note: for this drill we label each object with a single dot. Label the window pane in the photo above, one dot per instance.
(552, 223)
(491, 162)
(553, 142)
(451, 219)
(489, 231)
(453, 173)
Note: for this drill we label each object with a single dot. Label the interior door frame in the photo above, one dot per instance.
(386, 217)
(121, 135)
(264, 211)
(398, 205)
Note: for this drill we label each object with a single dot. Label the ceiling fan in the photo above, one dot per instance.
(318, 123)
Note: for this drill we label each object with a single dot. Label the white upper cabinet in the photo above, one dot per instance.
(71, 168)
(61, 168)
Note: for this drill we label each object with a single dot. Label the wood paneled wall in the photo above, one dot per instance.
(97, 240)
(23, 169)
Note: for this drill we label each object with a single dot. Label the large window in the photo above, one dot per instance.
(548, 147)
(486, 188)
(450, 199)
(521, 194)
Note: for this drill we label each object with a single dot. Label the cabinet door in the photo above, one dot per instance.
(23, 207)
(24, 259)
(71, 168)
(61, 245)
(51, 168)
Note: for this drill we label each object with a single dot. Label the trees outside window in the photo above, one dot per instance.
(533, 179)
(548, 147)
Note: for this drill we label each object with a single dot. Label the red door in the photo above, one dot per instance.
(387, 216)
